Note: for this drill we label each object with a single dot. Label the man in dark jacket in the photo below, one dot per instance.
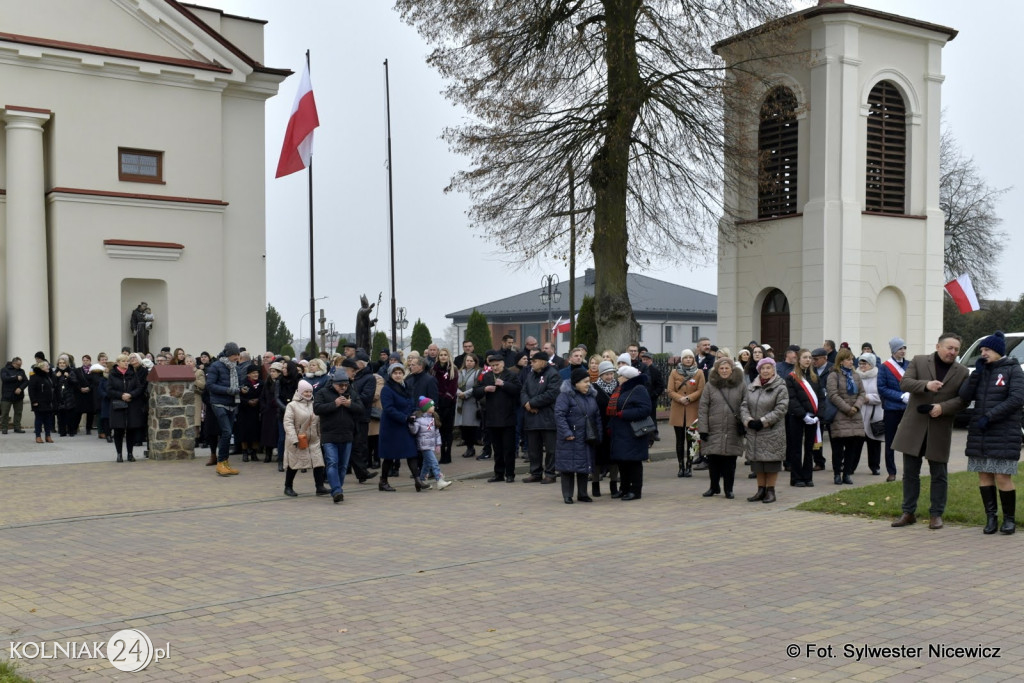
(655, 388)
(419, 382)
(819, 361)
(894, 399)
(364, 385)
(541, 386)
(12, 395)
(339, 411)
(577, 359)
(224, 386)
(704, 357)
(501, 389)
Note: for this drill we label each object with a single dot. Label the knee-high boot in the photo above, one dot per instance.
(595, 484)
(581, 487)
(567, 484)
(319, 475)
(1009, 501)
(988, 498)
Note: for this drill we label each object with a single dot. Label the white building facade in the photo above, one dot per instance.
(131, 169)
(841, 234)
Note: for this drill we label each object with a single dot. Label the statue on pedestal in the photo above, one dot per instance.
(140, 325)
(364, 323)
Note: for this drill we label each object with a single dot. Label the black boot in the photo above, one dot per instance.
(268, 454)
(757, 496)
(595, 488)
(470, 452)
(988, 498)
(319, 475)
(613, 488)
(769, 495)
(1009, 501)
(581, 487)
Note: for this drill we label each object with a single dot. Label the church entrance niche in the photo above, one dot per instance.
(775, 322)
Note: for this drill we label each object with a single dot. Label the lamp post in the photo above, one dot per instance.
(401, 323)
(320, 298)
(549, 294)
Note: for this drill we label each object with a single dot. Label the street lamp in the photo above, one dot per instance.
(310, 324)
(549, 294)
(401, 323)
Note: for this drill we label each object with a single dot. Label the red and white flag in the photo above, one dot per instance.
(298, 139)
(963, 294)
(560, 327)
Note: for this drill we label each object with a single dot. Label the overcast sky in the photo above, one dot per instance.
(441, 266)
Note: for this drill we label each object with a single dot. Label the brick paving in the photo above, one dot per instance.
(485, 581)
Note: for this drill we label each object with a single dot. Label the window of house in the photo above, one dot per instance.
(668, 333)
(886, 150)
(140, 165)
(777, 155)
(695, 334)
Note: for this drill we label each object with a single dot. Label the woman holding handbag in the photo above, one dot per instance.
(578, 431)
(302, 441)
(718, 421)
(872, 413)
(629, 403)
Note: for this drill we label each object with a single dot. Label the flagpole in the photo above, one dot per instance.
(391, 212)
(312, 294)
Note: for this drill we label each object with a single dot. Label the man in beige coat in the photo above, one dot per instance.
(926, 430)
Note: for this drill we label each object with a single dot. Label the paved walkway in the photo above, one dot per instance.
(484, 581)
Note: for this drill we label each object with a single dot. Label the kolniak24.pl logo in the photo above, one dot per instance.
(128, 650)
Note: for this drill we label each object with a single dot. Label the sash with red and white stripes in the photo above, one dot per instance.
(813, 398)
(894, 368)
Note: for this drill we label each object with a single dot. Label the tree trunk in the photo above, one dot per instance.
(609, 176)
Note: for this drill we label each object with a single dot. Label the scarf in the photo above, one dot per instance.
(851, 386)
(607, 387)
(687, 372)
(233, 378)
(613, 403)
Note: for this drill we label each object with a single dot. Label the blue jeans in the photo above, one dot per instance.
(336, 456)
(430, 465)
(44, 421)
(225, 421)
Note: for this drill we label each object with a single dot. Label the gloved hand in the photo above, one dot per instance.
(980, 364)
(925, 408)
(411, 419)
(756, 425)
(982, 422)
(810, 419)
(905, 397)
(703, 436)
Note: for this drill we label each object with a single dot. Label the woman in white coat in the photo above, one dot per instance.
(301, 421)
(867, 368)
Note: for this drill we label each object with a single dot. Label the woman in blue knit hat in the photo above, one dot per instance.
(994, 435)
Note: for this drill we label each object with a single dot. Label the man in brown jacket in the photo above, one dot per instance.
(926, 431)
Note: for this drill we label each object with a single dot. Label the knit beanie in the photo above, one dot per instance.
(628, 371)
(895, 344)
(395, 366)
(304, 386)
(605, 366)
(425, 404)
(578, 375)
(624, 358)
(765, 361)
(996, 342)
(686, 352)
(231, 349)
(868, 358)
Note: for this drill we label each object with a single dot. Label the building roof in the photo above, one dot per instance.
(649, 297)
(837, 8)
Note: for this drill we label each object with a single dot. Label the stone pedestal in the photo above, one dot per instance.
(173, 420)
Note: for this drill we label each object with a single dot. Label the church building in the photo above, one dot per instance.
(832, 226)
(132, 169)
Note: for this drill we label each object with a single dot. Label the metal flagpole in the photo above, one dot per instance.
(391, 212)
(312, 294)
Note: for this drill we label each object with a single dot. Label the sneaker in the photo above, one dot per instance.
(442, 484)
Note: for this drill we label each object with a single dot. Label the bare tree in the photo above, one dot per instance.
(971, 221)
(627, 91)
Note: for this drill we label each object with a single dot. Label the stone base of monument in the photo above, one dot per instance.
(173, 418)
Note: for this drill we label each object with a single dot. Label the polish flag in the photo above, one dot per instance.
(298, 139)
(561, 327)
(963, 294)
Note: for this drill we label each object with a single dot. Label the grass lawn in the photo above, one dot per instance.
(9, 675)
(883, 501)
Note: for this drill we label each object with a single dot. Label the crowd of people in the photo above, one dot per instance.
(581, 418)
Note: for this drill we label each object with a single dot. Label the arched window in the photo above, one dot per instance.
(887, 150)
(777, 152)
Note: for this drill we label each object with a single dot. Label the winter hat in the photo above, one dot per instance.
(996, 342)
(628, 371)
(821, 353)
(686, 352)
(765, 361)
(147, 363)
(425, 404)
(394, 366)
(277, 366)
(578, 375)
(868, 358)
(251, 369)
(540, 355)
(349, 363)
(231, 349)
(624, 358)
(766, 347)
(362, 356)
(895, 344)
(605, 366)
(304, 386)
(340, 377)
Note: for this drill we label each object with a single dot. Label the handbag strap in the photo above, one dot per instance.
(722, 394)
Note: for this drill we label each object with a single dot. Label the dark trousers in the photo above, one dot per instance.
(122, 436)
(5, 411)
(722, 469)
(225, 417)
(537, 439)
(446, 411)
(372, 450)
(44, 421)
(892, 421)
(469, 435)
(318, 477)
(503, 446)
(912, 484)
(631, 473)
(360, 451)
(846, 453)
(580, 481)
(874, 453)
(800, 449)
(683, 448)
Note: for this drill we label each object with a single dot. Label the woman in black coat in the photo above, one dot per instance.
(993, 437)
(43, 397)
(67, 405)
(575, 406)
(803, 424)
(629, 403)
(271, 412)
(249, 426)
(127, 392)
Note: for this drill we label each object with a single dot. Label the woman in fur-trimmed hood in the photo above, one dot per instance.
(718, 421)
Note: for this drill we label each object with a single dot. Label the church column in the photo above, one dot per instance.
(28, 305)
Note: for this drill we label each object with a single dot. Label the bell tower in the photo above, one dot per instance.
(832, 226)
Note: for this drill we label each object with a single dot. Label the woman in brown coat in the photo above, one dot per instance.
(846, 392)
(763, 412)
(685, 386)
(718, 421)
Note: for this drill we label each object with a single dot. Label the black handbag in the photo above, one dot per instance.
(118, 404)
(877, 427)
(644, 427)
(592, 433)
